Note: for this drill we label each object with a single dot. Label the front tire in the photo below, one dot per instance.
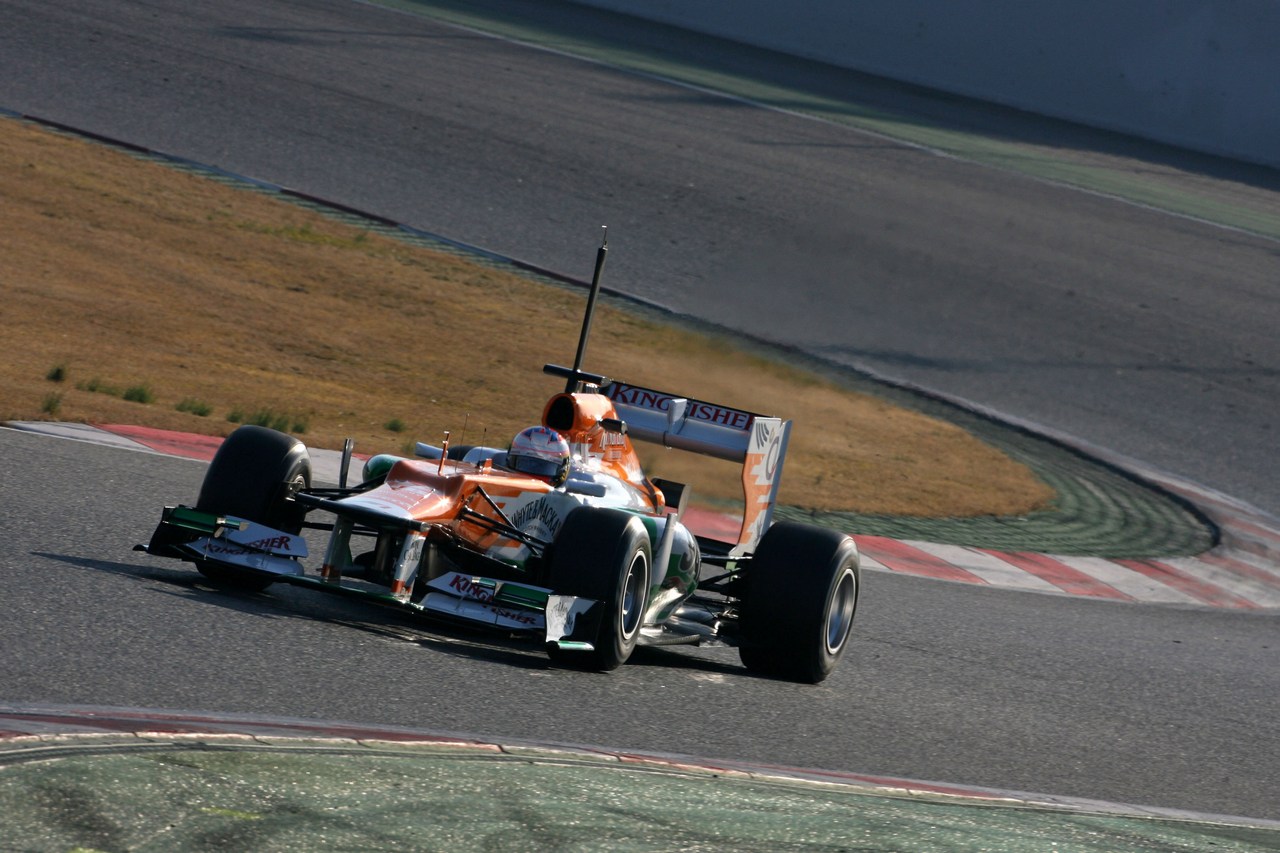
(605, 555)
(253, 476)
(799, 601)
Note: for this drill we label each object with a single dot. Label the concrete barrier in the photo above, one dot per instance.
(1199, 74)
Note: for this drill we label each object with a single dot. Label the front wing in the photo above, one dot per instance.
(566, 621)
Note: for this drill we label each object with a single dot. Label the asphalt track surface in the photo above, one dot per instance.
(1149, 334)
(1158, 705)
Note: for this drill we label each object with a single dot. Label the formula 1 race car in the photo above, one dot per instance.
(560, 535)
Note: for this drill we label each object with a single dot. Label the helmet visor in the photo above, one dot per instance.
(535, 466)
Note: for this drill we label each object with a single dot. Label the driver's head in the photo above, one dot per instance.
(540, 452)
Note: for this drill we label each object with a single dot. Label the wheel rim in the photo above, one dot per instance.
(840, 613)
(632, 596)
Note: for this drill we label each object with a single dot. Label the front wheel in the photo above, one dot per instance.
(799, 601)
(604, 555)
(254, 475)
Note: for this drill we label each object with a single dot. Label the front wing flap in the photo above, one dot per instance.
(568, 621)
(191, 534)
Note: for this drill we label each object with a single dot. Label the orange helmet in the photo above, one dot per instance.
(540, 452)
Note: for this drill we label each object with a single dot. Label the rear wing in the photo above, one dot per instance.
(757, 442)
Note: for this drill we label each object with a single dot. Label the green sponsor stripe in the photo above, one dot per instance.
(196, 521)
(514, 595)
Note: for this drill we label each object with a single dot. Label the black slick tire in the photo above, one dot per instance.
(604, 555)
(252, 476)
(799, 601)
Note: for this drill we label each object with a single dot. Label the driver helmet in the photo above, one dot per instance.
(540, 452)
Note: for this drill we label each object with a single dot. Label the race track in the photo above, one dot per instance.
(1145, 333)
(1130, 703)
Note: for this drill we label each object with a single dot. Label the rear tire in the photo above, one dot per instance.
(253, 476)
(799, 601)
(605, 555)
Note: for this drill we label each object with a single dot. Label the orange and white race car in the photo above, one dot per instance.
(559, 535)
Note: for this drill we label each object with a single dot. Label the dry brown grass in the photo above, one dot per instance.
(122, 273)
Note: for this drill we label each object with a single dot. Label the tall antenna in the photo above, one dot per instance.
(573, 382)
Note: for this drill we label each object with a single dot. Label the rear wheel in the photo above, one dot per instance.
(252, 476)
(799, 601)
(604, 555)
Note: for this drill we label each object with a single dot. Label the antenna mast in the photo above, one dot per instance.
(574, 382)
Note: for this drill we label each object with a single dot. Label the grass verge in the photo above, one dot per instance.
(127, 274)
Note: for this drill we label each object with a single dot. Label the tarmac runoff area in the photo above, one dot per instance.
(270, 783)
(1239, 570)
